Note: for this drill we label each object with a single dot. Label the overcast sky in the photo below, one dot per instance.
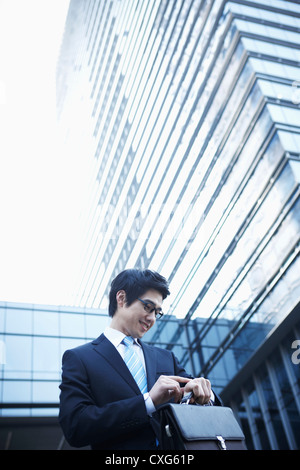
(35, 221)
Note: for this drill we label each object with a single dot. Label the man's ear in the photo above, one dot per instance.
(121, 298)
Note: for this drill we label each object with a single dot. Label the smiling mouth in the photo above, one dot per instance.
(146, 326)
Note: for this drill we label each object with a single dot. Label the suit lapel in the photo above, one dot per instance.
(106, 349)
(150, 361)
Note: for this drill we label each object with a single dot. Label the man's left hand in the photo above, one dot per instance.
(201, 389)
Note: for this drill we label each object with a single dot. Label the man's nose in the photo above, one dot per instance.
(151, 315)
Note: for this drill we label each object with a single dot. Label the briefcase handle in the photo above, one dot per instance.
(187, 397)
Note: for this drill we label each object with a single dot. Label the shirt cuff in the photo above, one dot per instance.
(149, 404)
(211, 401)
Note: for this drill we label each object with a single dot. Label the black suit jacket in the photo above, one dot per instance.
(100, 402)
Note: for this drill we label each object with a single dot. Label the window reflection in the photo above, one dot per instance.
(18, 356)
(272, 408)
(270, 49)
(32, 337)
(259, 425)
(18, 321)
(46, 323)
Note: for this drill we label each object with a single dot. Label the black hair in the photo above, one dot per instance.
(135, 283)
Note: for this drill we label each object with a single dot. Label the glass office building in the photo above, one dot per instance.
(187, 114)
(32, 340)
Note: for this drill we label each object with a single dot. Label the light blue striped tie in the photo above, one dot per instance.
(134, 364)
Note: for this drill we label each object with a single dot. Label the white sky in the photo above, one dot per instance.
(36, 221)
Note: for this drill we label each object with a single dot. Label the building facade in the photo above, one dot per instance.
(186, 115)
(189, 111)
(32, 340)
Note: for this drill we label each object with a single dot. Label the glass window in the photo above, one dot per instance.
(294, 365)
(290, 141)
(18, 355)
(286, 393)
(44, 411)
(72, 325)
(46, 358)
(244, 419)
(274, 69)
(18, 321)
(2, 318)
(272, 408)
(257, 414)
(2, 352)
(95, 325)
(276, 90)
(45, 323)
(45, 392)
(68, 343)
(265, 15)
(273, 50)
(17, 391)
(267, 31)
(290, 116)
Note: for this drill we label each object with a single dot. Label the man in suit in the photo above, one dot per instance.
(101, 404)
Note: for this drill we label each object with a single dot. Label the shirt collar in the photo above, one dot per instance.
(115, 336)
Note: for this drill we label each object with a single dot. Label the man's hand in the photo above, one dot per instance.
(167, 387)
(201, 389)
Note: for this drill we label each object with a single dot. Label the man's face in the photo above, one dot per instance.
(134, 320)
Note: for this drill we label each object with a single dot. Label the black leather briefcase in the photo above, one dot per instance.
(192, 427)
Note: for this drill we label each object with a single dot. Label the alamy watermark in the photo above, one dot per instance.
(296, 354)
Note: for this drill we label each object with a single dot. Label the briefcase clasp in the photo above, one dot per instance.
(221, 442)
(168, 430)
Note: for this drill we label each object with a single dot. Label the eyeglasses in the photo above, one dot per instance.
(148, 306)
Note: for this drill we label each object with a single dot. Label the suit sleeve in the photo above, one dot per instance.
(85, 423)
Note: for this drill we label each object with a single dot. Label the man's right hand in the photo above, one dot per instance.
(167, 387)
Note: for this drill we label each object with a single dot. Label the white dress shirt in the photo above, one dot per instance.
(116, 337)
